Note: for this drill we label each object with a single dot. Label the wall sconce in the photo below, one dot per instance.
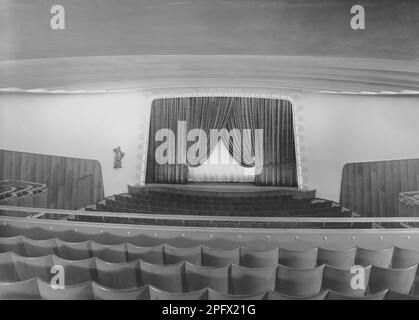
(118, 157)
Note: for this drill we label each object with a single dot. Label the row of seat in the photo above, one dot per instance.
(181, 221)
(208, 196)
(230, 279)
(203, 255)
(36, 289)
(234, 209)
(250, 212)
(217, 202)
(237, 209)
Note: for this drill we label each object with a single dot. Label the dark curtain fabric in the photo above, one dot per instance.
(208, 113)
(203, 113)
(165, 113)
(273, 116)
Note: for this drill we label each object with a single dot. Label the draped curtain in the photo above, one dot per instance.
(165, 113)
(203, 113)
(273, 116)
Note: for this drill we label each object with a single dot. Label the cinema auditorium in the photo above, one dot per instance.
(209, 150)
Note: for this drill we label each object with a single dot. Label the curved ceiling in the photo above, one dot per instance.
(376, 76)
(129, 44)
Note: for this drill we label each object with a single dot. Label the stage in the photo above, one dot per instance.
(231, 189)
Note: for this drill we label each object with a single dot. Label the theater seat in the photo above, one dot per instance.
(343, 259)
(339, 280)
(220, 257)
(39, 248)
(13, 244)
(149, 254)
(175, 255)
(7, 268)
(214, 295)
(77, 272)
(164, 277)
(299, 282)
(257, 258)
(28, 268)
(199, 277)
(251, 280)
(398, 280)
(380, 258)
(157, 294)
(299, 259)
(22, 290)
(272, 295)
(103, 293)
(74, 251)
(81, 291)
(118, 275)
(404, 258)
(332, 295)
(110, 253)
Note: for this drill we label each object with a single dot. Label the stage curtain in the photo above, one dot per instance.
(165, 113)
(275, 118)
(203, 113)
(208, 113)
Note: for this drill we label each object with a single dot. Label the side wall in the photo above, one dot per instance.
(339, 129)
(87, 126)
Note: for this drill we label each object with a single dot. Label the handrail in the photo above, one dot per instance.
(38, 212)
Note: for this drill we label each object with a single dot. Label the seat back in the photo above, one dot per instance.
(299, 282)
(352, 281)
(380, 258)
(220, 257)
(157, 294)
(199, 277)
(110, 253)
(118, 275)
(152, 254)
(28, 268)
(343, 259)
(7, 268)
(258, 258)
(73, 251)
(13, 244)
(77, 272)
(103, 293)
(404, 258)
(40, 248)
(22, 290)
(164, 277)
(299, 259)
(251, 280)
(175, 255)
(398, 280)
(81, 291)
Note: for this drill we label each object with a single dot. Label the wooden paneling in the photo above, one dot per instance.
(62, 175)
(373, 188)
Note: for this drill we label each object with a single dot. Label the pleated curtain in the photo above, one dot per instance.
(203, 113)
(273, 116)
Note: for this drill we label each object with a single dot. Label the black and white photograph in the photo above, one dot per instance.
(209, 150)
